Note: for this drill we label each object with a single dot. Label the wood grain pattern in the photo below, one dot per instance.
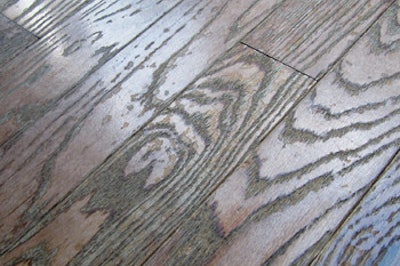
(13, 39)
(53, 66)
(158, 178)
(286, 198)
(41, 16)
(49, 159)
(370, 236)
(312, 35)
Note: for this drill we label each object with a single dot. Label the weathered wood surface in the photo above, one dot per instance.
(41, 16)
(118, 165)
(312, 35)
(158, 178)
(371, 235)
(46, 161)
(13, 39)
(290, 193)
(38, 78)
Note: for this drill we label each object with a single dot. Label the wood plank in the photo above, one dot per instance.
(53, 156)
(4, 4)
(13, 39)
(370, 236)
(50, 68)
(312, 35)
(290, 193)
(158, 178)
(41, 16)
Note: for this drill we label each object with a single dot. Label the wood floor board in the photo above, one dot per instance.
(281, 205)
(50, 68)
(144, 132)
(41, 16)
(312, 35)
(371, 235)
(46, 161)
(156, 181)
(13, 39)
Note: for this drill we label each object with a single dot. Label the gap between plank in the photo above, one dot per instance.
(169, 102)
(277, 60)
(256, 143)
(32, 230)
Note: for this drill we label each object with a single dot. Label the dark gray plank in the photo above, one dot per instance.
(13, 39)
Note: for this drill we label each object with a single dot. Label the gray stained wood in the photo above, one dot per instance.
(150, 186)
(42, 16)
(47, 71)
(80, 128)
(312, 35)
(371, 235)
(172, 143)
(13, 39)
(290, 193)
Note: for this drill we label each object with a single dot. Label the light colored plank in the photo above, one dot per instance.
(67, 54)
(151, 185)
(284, 201)
(41, 16)
(13, 39)
(55, 154)
(4, 4)
(370, 236)
(312, 35)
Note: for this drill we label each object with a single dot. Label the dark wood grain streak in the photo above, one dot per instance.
(66, 55)
(41, 16)
(159, 177)
(49, 159)
(281, 205)
(371, 235)
(311, 35)
(13, 39)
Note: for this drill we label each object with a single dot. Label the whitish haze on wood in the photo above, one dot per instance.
(312, 35)
(293, 190)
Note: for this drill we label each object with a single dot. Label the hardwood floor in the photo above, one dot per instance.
(199, 132)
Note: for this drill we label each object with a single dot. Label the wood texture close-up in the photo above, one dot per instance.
(208, 132)
(13, 39)
(294, 188)
(371, 235)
